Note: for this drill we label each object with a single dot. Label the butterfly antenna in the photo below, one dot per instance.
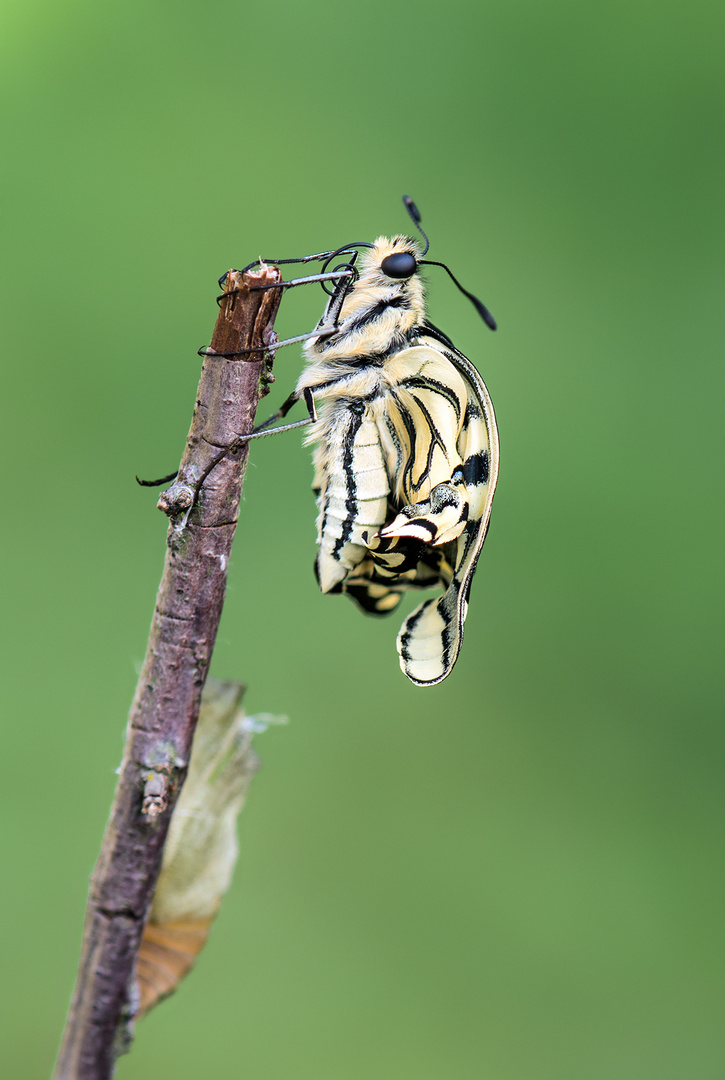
(415, 215)
(479, 306)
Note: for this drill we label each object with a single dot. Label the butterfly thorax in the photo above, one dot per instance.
(377, 318)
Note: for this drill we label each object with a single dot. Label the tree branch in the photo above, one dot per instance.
(203, 504)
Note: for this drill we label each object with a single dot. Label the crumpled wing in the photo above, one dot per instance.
(430, 638)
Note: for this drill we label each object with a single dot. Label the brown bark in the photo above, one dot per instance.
(202, 503)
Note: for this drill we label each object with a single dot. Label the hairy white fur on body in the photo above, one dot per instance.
(370, 289)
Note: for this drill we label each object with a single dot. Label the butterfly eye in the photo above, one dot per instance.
(401, 264)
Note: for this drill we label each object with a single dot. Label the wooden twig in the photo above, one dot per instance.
(202, 503)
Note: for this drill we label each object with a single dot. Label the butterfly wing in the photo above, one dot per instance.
(447, 470)
(430, 638)
(407, 473)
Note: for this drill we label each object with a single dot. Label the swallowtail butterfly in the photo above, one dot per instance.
(406, 447)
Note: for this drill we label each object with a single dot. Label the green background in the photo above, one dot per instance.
(515, 875)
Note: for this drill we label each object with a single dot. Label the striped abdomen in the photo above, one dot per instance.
(354, 488)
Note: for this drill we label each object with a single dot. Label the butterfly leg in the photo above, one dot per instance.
(264, 428)
(258, 432)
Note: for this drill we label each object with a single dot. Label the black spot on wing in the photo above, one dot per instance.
(475, 469)
(472, 412)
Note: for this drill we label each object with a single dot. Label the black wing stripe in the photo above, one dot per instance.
(418, 382)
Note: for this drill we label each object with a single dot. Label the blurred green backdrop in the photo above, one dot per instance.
(515, 875)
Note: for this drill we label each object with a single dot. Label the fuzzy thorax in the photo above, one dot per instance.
(377, 314)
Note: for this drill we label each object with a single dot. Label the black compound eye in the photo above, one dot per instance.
(401, 264)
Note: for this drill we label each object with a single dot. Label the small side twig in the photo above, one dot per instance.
(202, 503)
